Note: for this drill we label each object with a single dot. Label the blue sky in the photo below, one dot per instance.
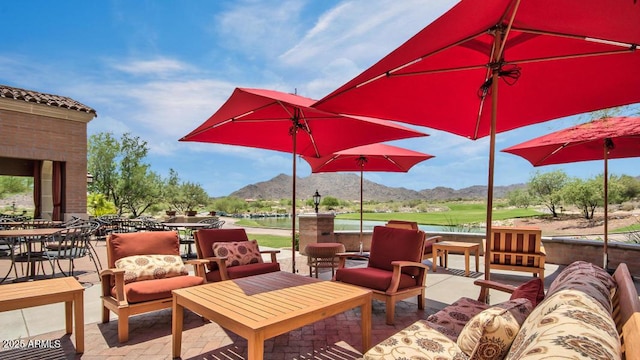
(158, 69)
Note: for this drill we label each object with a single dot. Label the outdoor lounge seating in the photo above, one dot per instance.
(586, 313)
(144, 268)
(517, 249)
(394, 271)
(220, 268)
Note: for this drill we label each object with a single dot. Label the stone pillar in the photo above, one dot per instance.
(315, 228)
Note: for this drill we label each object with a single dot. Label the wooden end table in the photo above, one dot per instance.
(263, 306)
(446, 246)
(43, 292)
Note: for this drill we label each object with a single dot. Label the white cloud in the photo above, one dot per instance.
(155, 67)
(359, 32)
(260, 28)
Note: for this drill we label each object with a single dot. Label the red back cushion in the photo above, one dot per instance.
(142, 243)
(391, 244)
(532, 290)
(206, 237)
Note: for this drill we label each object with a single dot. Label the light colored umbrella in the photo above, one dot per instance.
(373, 157)
(603, 139)
(274, 120)
(543, 59)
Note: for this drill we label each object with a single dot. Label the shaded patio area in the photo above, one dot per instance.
(337, 337)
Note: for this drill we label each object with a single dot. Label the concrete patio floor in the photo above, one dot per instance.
(337, 337)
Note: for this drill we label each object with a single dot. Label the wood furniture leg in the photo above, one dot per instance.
(177, 319)
(78, 310)
(365, 315)
(466, 262)
(477, 252)
(255, 346)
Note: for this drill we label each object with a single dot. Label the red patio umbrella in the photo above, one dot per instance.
(603, 139)
(279, 121)
(542, 59)
(373, 157)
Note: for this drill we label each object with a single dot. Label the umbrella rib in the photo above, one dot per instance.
(508, 29)
(578, 37)
(393, 162)
(392, 72)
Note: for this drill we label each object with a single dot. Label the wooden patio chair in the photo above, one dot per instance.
(517, 249)
(394, 271)
(218, 268)
(131, 284)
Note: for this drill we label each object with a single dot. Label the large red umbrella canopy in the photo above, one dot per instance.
(603, 139)
(373, 157)
(495, 65)
(279, 121)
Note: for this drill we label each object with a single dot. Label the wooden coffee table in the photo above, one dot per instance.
(446, 246)
(263, 306)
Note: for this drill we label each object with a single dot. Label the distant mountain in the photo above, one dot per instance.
(347, 187)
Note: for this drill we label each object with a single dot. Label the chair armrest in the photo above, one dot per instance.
(486, 285)
(105, 279)
(433, 239)
(199, 267)
(343, 256)
(222, 265)
(272, 253)
(397, 270)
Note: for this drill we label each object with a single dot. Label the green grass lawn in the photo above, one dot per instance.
(273, 241)
(457, 214)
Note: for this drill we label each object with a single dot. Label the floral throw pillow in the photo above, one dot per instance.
(238, 252)
(149, 267)
(488, 336)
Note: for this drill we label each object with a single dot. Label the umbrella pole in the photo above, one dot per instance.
(606, 208)
(293, 206)
(492, 150)
(361, 189)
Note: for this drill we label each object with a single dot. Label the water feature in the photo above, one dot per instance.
(348, 225)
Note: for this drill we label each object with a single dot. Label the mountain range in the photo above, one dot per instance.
(347, 187)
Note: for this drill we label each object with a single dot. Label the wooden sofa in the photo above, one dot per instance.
(586, 313)
(517, 249)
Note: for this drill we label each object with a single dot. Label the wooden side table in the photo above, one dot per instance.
(443, 247)
(323, 255)
(43, 292)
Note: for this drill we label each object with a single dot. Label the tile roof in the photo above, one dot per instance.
(42, 98)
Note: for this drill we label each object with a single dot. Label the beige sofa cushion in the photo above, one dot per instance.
(489, 334)
(570, 325)
(588, 278)
(417, 341)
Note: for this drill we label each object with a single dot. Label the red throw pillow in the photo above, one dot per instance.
(532, 290)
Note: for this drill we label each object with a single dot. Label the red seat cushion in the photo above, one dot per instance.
(147, 290)
(372, 278)
(239, 271)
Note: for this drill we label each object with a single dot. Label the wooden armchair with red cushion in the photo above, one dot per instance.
(144, 267)
(236, 256)
(394, 271)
